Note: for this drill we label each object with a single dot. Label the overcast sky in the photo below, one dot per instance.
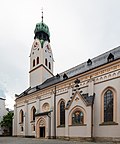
(79, 29)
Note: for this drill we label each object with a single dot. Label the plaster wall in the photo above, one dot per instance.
(35, 77)
(19, 132)
(34, 54)
(29, 121)
(79, 131)
(106, 130)
(60, 131)
(48, 55)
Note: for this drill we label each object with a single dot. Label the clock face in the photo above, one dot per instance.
(35, 45)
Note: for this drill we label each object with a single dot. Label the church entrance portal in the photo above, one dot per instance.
(42, 132)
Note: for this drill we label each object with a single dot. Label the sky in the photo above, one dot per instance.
(79, 30)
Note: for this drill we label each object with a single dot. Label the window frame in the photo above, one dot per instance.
(114, 122)
(108, 108)
(79, 118)
(62, 113)
(33, 114)
(58, 113)
(73, 110)
(21, 116)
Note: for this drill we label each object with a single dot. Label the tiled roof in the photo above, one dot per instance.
(95, 62)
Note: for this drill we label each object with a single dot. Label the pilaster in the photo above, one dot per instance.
(66, 124)
(52, 116)
(66, 114)
(26, 118)
(91, 86)
(38, 105)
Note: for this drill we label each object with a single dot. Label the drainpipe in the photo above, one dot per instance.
(92, 121)
(55, 113)
(92, 116)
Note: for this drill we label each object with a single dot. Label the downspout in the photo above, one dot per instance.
(92, 116)
(55, 113)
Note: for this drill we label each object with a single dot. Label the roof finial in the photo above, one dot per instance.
(42, 14)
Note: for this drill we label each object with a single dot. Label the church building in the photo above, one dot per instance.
(82, 103)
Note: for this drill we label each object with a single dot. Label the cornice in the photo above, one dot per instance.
(68, 83)
(39, 67)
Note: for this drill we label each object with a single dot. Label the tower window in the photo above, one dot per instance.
(49, 65)
(33, 62)
(37, 60)
(46, 62)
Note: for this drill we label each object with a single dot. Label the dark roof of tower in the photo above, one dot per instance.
(42, 27)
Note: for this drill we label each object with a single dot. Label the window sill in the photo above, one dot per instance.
(61, 126)
(78, 125)
(108, 123)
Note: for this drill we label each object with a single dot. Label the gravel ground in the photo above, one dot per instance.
(19, 140)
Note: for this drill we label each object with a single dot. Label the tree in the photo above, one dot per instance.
(7, 122)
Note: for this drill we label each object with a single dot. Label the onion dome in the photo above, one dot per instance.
(42, 32)
(42, 27)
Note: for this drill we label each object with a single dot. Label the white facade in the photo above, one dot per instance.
(81, 103)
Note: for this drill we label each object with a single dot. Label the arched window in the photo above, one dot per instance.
(77, 118)
(49, 65)
(21, 116)
(37, 60)
(46, 62)
(108, 106)
(33, 62)
(33, 111)
(62, 113)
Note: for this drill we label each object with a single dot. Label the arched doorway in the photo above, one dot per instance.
(42, 131)
(41, 128)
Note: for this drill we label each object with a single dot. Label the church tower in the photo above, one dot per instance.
(41, 57)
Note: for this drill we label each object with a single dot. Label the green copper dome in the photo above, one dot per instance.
(42, 27)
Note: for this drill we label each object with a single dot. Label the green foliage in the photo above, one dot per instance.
(7, 120)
